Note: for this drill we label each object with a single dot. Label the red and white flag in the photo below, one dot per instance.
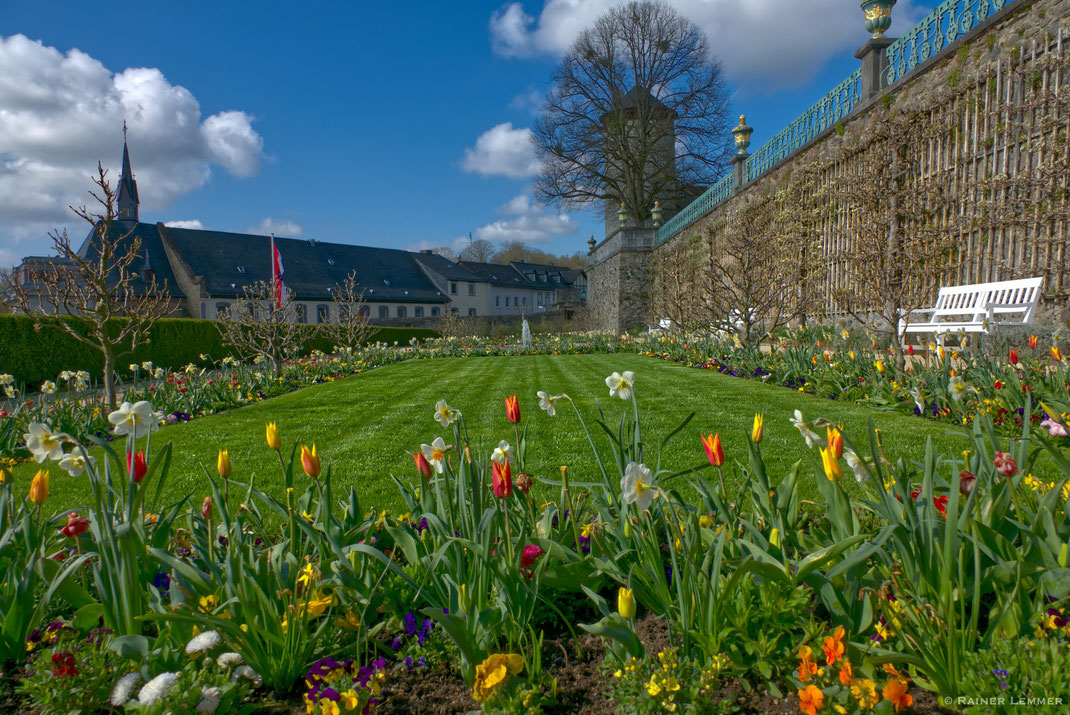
(276, 275)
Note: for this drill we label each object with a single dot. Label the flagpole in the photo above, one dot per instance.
(271, 262)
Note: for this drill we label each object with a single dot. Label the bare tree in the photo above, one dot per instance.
(257, 327)
(478, 251)
(353, 324)
(116, 301)
(750, 281)
(677, 294)
(637, 111)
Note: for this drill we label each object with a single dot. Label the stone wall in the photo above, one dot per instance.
(983, 145)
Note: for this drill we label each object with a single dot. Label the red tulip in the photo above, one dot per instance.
(1005, 464)
(76, 526)
(502, 479)
(1014, 357)
(1033, 341)
(910, 350)
(967, 481)
(206, 507)
(423, 467)
(714, 453)
(512, 409)
(135, 464)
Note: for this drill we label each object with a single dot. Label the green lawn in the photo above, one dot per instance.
(364, 425)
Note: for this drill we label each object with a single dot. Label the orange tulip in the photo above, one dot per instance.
(502, 476)
(310, 461)
(512, 409)
(1014, 357)
(423, 467)
(1056, 354)
(835, 441)
(1033, 341)
(714, 453)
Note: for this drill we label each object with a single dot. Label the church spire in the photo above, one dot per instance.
(127, 201)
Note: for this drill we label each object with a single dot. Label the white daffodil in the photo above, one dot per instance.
(136, 419)
(74, 463)
(957, 388)
(435, 453)
(548, 403)
(147, 366)
(445, 414)
(159, 373)
(66, 375)
(621, 385)
(133, 367)
(804, 429)
(6, 379)
(502, 453)
(43, 443)
(190, 369)
(856, 464)
(9, 392)
(637, 485)
(48, 387)
(919, 399)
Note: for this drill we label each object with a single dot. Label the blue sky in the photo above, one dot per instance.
(370, 123)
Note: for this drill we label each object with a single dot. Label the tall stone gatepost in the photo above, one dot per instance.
(620, 279)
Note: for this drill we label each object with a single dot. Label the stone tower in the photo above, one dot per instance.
(619, 280)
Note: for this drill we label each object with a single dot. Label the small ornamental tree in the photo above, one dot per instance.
(117, 305)
(353, 325)
(258, 328)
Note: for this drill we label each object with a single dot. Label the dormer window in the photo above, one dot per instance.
(241, 269)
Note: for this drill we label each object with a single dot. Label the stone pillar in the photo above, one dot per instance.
(739, 170)
(619, 280)
(874, 65)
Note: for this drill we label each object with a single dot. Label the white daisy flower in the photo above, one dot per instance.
(229, 660)
(244, 671)
(156, 688)
(203, 642)
(124, 689)
(209, 700)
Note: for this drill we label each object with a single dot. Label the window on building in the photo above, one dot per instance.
(221, 309)
(506, 301)
(401, 311)
(302, 313)
(455, 311)
(204, 311)
(525, 299)
(323, 313)
(453, 287)
(418, 311)
(384, 312)
(343, 312)
(434, 311)
(497, 301)
(471, 311)
(471, 289)
(538, 297)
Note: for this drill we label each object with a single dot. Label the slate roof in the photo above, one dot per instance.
(151, 250)
(230, 261)
(544, 272)
(445, 267)
(497, 274)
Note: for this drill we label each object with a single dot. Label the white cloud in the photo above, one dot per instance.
(502, 151)
(193, 223)
(527, 101)
(61, 113)
(770, 43)
(528, 222)
(279, 227)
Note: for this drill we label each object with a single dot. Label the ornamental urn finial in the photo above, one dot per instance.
(878, 16)
(591, 243)
(622, 215)
(742, 134)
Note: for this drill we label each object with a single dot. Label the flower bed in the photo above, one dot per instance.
(945, 578)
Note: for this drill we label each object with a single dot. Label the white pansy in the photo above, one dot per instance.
(637, 485)
(445, 414)
(74, 463)
(136, 419)
(435, 453)
(124, 689)
(156, 688)
(621, 385)
(502, 453)
(203, 642)
(48, 387)
(804, 429)
(43, 443)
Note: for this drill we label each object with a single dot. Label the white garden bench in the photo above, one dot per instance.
(976, 308)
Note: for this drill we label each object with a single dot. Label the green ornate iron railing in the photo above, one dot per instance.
(945, 24)
(698, 208)
(933, 35)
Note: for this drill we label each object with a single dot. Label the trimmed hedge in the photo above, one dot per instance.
(33, 356)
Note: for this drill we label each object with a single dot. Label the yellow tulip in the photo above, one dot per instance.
(774, 537)
(756, 431)
(831, 464)
(5, 477)
(39, 487)
(835, 441)
(625, 603)
(273, 436)
(223, 463)
(879, 365)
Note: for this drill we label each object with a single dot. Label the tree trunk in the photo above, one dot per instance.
(109, 377)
